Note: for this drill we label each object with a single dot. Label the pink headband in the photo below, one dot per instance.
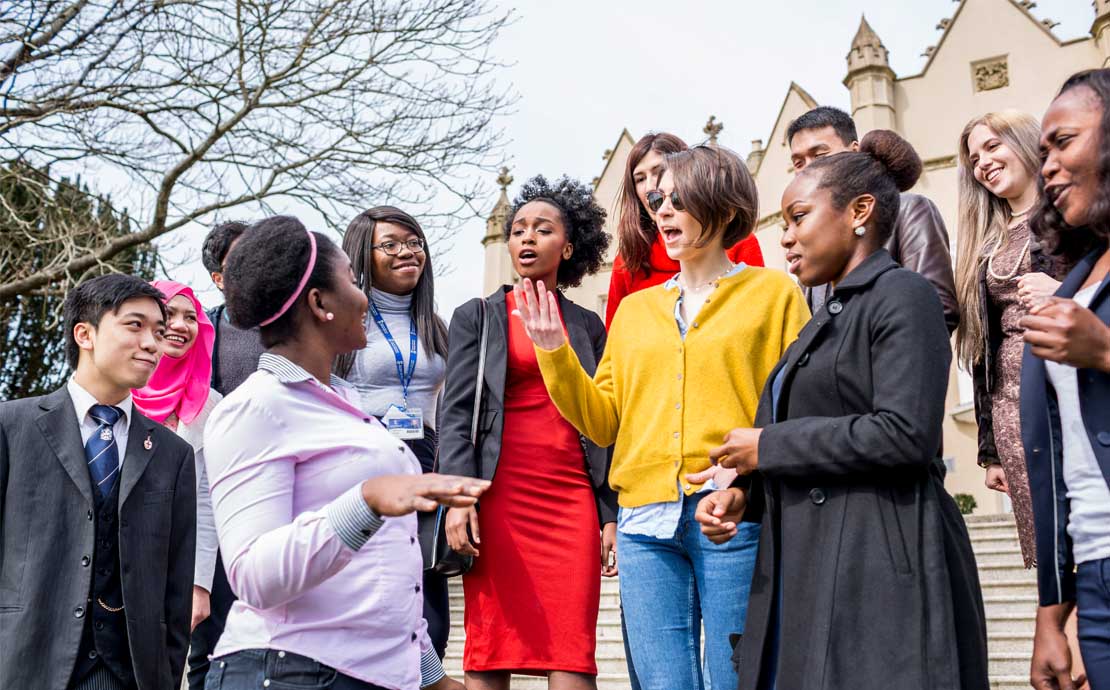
(300, 286)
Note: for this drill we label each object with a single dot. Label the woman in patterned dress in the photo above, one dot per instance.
(1002, 271)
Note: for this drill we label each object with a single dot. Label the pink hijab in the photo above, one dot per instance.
(180, 385)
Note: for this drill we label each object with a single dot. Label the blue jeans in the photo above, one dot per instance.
(251, 668)
(669, 587)
(1093, 600)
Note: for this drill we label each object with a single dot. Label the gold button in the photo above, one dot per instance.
(695, 324)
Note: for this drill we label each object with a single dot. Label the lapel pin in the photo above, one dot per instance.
(148, 444)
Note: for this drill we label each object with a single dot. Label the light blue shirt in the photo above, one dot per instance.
(660, 520)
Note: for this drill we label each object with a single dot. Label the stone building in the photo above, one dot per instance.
(992, 55)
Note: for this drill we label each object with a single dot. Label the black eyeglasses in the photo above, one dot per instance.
(393, 248)
(655, 201)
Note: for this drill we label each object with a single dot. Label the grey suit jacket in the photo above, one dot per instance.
(46, 543)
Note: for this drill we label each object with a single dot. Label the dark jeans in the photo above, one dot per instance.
(207, 634)
(1093, 600)
(250, 668)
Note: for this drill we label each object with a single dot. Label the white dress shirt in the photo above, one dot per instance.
(83, 401)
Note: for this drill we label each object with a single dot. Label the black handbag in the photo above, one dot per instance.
(439, 558)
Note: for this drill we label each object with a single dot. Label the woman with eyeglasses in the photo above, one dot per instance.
(544, 534)
(642, 264)
(399, 374)
(684, 363)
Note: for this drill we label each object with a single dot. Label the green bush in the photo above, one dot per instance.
(966, 503)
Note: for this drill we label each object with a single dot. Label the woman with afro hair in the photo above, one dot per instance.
(685, 362)
(532, 595)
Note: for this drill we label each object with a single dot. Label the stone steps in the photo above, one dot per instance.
(1009, 598)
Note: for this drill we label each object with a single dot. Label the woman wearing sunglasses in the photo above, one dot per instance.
(643, 260)
(399, 374)
(685, 361)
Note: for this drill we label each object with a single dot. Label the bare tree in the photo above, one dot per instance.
(202, 106)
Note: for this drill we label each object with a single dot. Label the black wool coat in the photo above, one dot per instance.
(861, 546)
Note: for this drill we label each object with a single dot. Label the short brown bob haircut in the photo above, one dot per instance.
(715, 187)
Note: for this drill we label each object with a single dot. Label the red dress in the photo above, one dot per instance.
(623, 282)
(532, 596)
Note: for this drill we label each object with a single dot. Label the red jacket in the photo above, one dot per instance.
(624, 283)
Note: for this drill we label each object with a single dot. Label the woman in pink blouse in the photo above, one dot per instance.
(314, 499)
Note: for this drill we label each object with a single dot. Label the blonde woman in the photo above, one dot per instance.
(1002, 271)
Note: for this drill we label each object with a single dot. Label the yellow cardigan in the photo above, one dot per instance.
(667, 402)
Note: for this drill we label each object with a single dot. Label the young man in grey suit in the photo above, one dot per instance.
(97, 511)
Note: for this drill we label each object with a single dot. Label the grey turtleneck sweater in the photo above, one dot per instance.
(374, 372)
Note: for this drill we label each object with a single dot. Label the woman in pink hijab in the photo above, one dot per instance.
(179, 396)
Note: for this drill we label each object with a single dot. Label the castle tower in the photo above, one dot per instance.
(1101, 30)
(499, 268)
(870, 81)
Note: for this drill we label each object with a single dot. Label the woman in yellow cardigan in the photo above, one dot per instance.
(685, 362)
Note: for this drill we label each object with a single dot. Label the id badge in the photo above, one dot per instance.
(404, 424)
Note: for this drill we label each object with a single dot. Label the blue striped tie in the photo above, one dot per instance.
(101, 450)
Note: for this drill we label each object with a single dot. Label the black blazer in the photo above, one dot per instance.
(46, 535)
(456, 455)
(860, 543)
(1044, 457)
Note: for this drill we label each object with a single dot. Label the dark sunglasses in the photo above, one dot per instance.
(655, 201)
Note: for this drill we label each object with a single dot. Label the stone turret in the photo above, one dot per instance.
(499, 268)
(1101, 30)
(870, 81)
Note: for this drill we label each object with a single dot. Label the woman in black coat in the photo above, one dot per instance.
(865, 577)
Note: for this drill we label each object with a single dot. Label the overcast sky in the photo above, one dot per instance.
(585, 69)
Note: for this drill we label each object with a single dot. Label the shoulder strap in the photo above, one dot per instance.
(478, 382)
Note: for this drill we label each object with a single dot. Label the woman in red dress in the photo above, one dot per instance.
(546, 529)
(634, 269)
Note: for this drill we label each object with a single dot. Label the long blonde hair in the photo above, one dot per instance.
(984, 221)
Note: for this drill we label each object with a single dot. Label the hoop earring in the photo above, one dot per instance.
(860, 231)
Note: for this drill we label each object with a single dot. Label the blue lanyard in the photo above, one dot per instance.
(406, 378)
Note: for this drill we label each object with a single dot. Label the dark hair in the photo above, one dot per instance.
(885, 165)
(217, 244)
(716, 189)
(1048, 223)
(635, 228)
(264, 269)
(583, 219)
(825, 116)
(92, 299)
(356, 243)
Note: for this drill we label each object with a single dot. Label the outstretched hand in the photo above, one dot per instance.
(539, 311)
(401, 494)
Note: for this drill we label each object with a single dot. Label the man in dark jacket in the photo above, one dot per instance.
(919, 241)
(97, 511)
